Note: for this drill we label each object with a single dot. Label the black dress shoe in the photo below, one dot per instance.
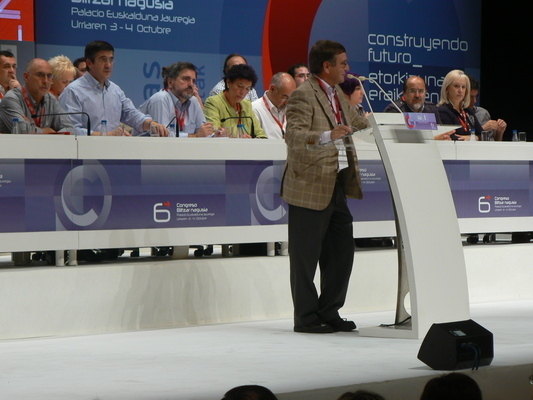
(341, 325)
(314, 327)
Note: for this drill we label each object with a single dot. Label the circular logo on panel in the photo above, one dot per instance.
(267, 206)
(85, 197)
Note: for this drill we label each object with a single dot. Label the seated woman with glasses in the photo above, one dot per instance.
(230, 108)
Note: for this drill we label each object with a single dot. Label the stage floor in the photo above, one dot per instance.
(203, 362)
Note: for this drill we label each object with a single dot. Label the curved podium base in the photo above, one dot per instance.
(397, 332)
(423, 206)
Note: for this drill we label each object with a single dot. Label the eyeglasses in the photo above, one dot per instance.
(415, 91)
(303, 75)
(42, 75)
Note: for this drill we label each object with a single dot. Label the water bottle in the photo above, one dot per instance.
(515, 135)
(240, 130)
(172, 130)
(16, 128)
(473, 137)
(103, 129)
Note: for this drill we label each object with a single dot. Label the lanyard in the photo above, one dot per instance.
(280, 123)
(463, 121)
(336, 110)
(30, 105)
(462, 117)
(239, 108)
(181, 115)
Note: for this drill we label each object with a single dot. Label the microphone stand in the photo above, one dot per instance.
(171, 121)
(68, 113)
(244, 116)
(361, 79)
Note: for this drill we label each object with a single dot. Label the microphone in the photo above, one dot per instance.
(171, 121)
(244, 116)
(68, 113)
(364, 78)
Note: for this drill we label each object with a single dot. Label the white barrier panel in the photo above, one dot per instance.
(65, 192)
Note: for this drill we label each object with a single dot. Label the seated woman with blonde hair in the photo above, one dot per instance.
(64, 73)
(454, 105)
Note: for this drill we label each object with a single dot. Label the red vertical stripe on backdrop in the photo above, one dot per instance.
(267, 66)
(286, 34)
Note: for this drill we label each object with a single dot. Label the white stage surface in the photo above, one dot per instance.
(90, 332)
(203, 362)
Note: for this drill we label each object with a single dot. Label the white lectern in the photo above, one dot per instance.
(430, 254)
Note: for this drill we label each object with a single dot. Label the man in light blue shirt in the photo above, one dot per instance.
(102, 100)
(176, 106)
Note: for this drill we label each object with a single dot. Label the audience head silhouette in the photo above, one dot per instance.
(454, 386)
(249, 392)
(361, 395)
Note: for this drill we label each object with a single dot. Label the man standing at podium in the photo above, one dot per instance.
(320, 223)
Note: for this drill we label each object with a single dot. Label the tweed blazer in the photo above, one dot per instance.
(310, 174)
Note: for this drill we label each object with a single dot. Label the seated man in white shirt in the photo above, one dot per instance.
(95, 95)
(176, 104)
(270, 109)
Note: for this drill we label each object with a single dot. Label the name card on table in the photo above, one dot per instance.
(420, 121)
